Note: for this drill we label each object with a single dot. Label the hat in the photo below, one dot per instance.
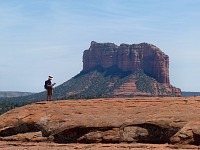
(50, 77)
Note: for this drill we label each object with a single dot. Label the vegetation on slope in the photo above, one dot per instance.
(95, 83)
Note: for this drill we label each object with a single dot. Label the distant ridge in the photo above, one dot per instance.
(14, 93)
(187, 94)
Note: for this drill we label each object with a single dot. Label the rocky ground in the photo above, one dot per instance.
(10, 145)
(107, 124)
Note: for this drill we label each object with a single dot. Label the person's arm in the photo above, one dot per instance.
(51, 85)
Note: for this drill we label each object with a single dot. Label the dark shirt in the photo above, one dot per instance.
(47, 83)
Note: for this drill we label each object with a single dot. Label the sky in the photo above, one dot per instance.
(48, 37)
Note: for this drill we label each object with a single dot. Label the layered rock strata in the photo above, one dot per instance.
(144, 56)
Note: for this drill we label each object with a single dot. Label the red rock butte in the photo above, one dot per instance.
(144, 56)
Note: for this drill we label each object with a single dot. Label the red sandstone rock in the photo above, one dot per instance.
(129, 88)
(17, 145)
(141, 120)
(146, 57)
(189, 134)
(133, 57)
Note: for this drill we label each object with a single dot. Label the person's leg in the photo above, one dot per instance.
(48, 94)
(49, 97)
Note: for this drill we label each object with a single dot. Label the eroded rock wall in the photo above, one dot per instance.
(144, 56)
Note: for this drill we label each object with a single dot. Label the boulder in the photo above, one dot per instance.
(189, 134)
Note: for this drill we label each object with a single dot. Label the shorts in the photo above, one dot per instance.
(49, 91)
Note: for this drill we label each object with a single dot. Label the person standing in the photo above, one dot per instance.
(49, 87)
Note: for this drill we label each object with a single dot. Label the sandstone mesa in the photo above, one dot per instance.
(132, 58)
(144, 56)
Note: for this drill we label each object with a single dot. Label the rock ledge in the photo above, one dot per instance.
(131, 120)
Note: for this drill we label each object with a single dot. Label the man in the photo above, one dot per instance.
(49, 87)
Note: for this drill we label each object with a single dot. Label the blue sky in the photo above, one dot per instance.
(47, 37)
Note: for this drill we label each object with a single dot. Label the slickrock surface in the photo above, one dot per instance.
(119, 123)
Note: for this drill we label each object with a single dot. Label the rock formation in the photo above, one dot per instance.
(133, 58)
(119, 120)
(144, 56)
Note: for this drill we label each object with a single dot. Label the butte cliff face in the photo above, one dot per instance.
(144, 56)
